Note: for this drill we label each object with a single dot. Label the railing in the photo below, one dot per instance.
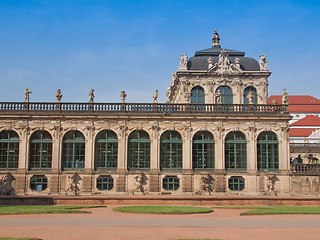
(305, 168)
(304, 145)
(142, 107)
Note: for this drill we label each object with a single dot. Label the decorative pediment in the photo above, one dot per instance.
(224, 66)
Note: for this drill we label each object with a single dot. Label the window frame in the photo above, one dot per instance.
(106, 180)
(39, 150)
(9, 150)
(38, 183)
(238, 185)
(197, 95)
(169, 146)
(202, 150)
(246, 92)
(75, 145)
(174, 182)
(225, 96)
(106, 150)
(233, 149)
(141, 145)
(270, 153)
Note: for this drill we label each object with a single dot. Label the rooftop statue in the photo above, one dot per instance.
(59, 95)
(91, 96)
(26, 95)
(123, 96)
(263, 63)
(155, 97)
(285, 99)
(183, 62)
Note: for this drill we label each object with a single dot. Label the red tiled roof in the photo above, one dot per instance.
(299, 103)
(296, 99)
(310, 120)
(301, 132)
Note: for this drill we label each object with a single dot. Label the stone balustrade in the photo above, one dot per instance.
(305, 169)
(142, 107)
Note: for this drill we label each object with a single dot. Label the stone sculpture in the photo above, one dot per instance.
(218, 96)
(237, 62)
(59, 95)
(5, 185)
(285, 99)
(27, 95)
(123, 96)
(210, 62)
(206, 184)
(263, 63)
(155, 97)
(183, 62)
(250, 97)
(271, 182)
(140, 181)
(91, 96)
(73, 184)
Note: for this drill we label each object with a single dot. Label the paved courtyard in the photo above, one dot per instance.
(104, 223)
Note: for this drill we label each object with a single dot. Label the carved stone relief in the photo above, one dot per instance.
(5, 184)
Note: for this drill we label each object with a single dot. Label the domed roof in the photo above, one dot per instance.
(200, 59)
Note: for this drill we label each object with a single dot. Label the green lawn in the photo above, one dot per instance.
(43, 209)
(260, 210)
(163, 209)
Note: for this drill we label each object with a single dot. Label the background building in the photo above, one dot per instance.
(215, 135)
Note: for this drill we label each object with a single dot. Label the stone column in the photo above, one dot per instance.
(122, 149)
(251, 151)
(89, 149)
(219, 150)
(154, 158)
(154, 183)
(187, 179)
(186, 149)
(21, 180)
(23, 162)
(56, 154)
(237, 93)
(284, 154)
(122, 160)
(220, 171)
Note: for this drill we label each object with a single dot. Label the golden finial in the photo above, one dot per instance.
(216, 39)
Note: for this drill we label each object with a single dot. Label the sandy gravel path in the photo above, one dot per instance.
(104, 223)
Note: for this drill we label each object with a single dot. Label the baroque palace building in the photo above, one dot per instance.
(216, 135)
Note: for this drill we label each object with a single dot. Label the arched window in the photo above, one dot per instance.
(235, 151)
(73, 150)
(203, 151)
(268, 151)
(197, 95)
(106, 150)
(226, 94)
(171, 150)
(139, 150)
(9, 150)
(40, 150)
(246, 92)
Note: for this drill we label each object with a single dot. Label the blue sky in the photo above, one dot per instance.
(135, 45)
